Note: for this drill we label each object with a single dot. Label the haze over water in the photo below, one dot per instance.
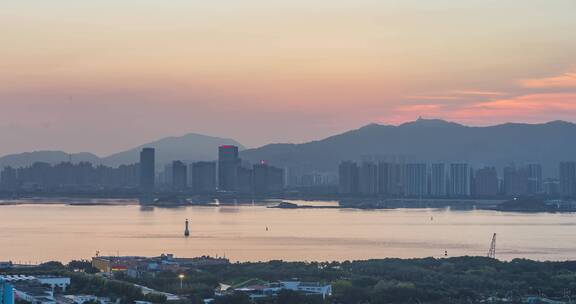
(35, 233)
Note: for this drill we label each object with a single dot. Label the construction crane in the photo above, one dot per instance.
(492, 251)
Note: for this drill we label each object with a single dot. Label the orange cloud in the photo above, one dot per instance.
(477, 93)
(566, 80)
(533, 102)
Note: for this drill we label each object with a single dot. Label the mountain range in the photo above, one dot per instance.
(432, 140)
(425, 140)
(190, 147)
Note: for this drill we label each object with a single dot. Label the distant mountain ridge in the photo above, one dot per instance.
(51, 157)
(189, 147)
(423, 140)
(430, 140)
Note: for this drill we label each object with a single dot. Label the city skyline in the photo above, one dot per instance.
(283, 71)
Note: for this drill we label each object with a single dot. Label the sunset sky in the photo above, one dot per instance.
(106, 75)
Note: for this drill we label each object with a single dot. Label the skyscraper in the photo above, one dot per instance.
(348, 177)
(228, 164)
(203, 177)
(568, 179)
(438, 180)
(486, 182)
(179, 175)
(416, 180)
(368, 178)
(459, 180)
(147, 169)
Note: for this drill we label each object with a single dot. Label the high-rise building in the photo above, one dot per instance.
(438, 180)
(203, 177)
(228, 164)
(179, 175)
(8, 179)
(396, 180)
(568, 179)
(147, 169)
(551, 186)
(515, 181)
(535, 179)
(459, 180)
(383, 178)
(6, 292)
(267, 179)
(348, 177)
(486, 182)
(165, 178)
(416, 180)
(245, 180)
(368, 178)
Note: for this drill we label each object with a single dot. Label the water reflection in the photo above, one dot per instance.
(63, 232)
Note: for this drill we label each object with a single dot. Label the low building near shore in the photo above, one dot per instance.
(6, 265)
(137, 266)
(256, 289)
(54, 282)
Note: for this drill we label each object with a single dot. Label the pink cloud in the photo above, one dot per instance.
(524, 108)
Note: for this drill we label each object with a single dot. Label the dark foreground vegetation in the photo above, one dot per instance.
(452, 280)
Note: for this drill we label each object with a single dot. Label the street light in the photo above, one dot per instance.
(181, 276)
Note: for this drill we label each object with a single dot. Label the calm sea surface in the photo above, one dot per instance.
(42, 232)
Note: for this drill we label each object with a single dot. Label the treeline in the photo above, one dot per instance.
(429, 280)
(453, 280)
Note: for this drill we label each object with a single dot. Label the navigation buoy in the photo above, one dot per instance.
(186, 230)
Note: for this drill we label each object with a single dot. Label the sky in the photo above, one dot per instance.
(103, 76)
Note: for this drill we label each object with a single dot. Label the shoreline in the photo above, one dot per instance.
(275, 203)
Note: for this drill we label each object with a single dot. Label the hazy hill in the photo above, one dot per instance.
(432, 140)
(190, 147)
(51, 157)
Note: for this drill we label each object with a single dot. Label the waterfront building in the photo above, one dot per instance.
(515, 181)
(8, 179)
(267, 179)
(275, 179)
(368, 179)
(245, 180)
(416, 180)
(568, 179)
(383, 178)
(179, 175)
(203, 177)
(551, 187)
(147, 169)
(396, 179)
(459, 185)
(228, 164)
(348, 177)
(486, 182)
(534, 179)
(438, 180)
